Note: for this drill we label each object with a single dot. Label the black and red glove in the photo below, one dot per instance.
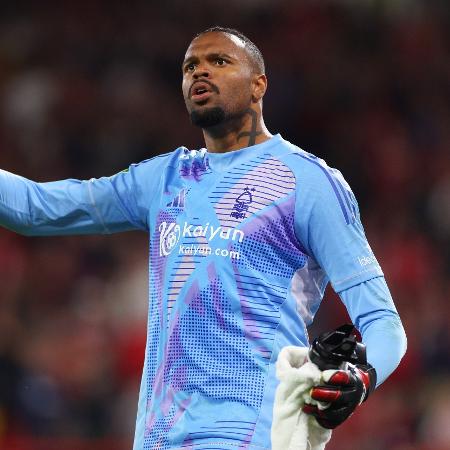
(341, 392)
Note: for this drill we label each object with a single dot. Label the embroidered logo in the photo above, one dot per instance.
(194, 164)
(179, 200)
(242, 203)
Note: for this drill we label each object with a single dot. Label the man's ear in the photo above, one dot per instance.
(259, 84)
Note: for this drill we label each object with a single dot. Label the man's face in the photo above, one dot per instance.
(217, 79)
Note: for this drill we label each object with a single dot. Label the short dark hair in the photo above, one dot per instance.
(254, 52)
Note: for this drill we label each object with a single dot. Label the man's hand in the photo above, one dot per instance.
(341, 393)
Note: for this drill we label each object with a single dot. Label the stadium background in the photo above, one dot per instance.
(86, 88)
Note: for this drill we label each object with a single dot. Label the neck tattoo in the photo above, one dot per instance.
(253, 133)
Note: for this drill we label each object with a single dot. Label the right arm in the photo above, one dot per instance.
(104, 205)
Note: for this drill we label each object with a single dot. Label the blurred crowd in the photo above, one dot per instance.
(86, 88)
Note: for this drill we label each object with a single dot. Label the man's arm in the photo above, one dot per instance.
(373, 313)
(329, 227)
(372, 310)
(104, 205)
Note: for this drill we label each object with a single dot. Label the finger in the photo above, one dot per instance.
(310, 409)
(333, 394)
(336, 415)
(337, 377)
(321, 416)
(325, 394)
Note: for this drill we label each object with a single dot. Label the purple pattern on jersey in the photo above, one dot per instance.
(193, 164)
(270, 246)
(155, 376)
(249, 188)
(220, 326)
(216, 297)
(159, 263)
(247, 439)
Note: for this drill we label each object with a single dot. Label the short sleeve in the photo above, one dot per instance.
(328, 224)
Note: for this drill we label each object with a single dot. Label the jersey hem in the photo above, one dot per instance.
(223, 445)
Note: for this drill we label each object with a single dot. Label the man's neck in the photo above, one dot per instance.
(250, 131)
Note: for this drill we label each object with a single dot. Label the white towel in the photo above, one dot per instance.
(292, 429)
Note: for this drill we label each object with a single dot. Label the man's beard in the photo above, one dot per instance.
(208, 117)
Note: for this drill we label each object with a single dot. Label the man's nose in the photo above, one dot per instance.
(201, 72)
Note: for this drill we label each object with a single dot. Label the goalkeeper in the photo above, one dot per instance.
(245, 235)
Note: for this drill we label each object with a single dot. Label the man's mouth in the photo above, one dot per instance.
(201, 91)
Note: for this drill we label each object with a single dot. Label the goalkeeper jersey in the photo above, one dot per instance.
(242, 246)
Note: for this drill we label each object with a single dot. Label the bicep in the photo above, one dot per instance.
(329, 226)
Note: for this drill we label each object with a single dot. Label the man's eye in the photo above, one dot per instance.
(220, 62)
(190, 67)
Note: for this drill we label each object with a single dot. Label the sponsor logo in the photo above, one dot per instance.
(206, 250)
(366, 260)
(171, 233)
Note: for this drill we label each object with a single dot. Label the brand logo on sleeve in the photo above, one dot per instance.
(366, 260)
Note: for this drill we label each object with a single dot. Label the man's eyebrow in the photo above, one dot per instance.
(193, 58)
(189, 60)
(220, 55)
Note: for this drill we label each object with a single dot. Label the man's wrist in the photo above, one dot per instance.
(368, 376)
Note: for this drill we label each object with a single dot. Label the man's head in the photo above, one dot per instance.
(223, 76)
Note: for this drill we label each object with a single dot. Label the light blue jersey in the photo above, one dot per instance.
(242, 246)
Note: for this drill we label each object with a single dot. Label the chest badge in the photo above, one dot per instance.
(242, 203)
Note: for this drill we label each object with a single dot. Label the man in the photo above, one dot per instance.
(245, 235)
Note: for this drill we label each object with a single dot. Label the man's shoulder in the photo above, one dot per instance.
(305, 165)
(318, 182)
(160, 161)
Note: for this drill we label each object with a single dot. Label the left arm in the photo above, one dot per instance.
(328, 225)
(373, 313)
(372, 310)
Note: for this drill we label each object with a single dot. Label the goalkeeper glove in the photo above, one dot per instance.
(342, 391)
